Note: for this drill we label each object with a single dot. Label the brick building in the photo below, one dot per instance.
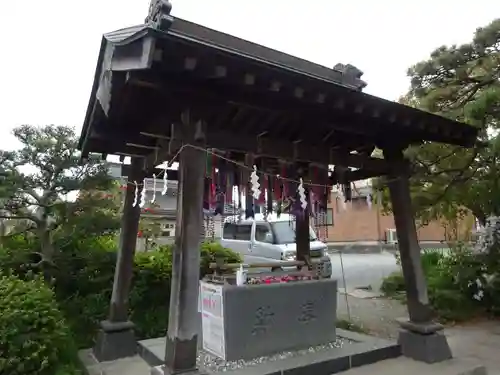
(359, 223)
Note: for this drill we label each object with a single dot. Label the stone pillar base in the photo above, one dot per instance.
(424, 342)
(115, 340)
(163, 370)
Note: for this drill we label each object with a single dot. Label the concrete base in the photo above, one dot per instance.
(125, 366)
(115, 340)
(428, 348)
(181, 354)
(363, 350)
(407, 366)
(162, 370)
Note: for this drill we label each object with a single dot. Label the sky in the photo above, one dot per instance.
(50, 47)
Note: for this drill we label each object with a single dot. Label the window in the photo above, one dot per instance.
(263, 233)
(284, 232)
(239, 232)
(243, 232)
(229, 231)
(391, 236)
(329, 216)
(321, 221)
(165, 233)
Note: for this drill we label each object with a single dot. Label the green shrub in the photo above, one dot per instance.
(430, 258)
(15, 254)
(76, 244)
(393, 284)
(452, 284)
(34, 338)
(211, 251)
(83, 282)
(150, 295)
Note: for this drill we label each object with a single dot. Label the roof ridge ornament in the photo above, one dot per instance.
(352, 75)
(159, 15)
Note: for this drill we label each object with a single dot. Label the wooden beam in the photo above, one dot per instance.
(323, 115)
(261, 146)
(300, 151)
(365, 113)
(360, 174)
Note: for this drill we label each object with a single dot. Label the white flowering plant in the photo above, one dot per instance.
(461, 281)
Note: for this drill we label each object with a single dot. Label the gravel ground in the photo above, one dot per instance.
(216, 364)
(376, 315)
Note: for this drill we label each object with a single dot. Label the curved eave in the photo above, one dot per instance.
(419, 125)
(117, 37)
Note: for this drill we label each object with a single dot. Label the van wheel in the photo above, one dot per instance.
(274, 269)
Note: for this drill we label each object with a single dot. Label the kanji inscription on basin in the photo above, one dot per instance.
(307, 313)
(263, 319)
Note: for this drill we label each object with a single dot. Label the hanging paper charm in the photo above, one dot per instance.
(153, 198)
(340, 194)
(165, 181)
(369, 195)
(369, 201)
(302, 195)
(136, 194)
(142, 202)
(254, 181)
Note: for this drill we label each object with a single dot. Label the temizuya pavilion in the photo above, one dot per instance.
(171, 82)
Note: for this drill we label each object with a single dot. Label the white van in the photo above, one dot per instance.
(267, 239)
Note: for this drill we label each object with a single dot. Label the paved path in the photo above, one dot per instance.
(363, 269)
(478, 341)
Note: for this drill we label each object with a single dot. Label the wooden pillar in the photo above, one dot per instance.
(116, 338)
(421, 338)
(183, 323)
(302, 234)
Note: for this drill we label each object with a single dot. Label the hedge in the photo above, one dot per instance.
(83, 281)
(34, 337)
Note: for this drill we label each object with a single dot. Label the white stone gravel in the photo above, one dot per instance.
(215, 364)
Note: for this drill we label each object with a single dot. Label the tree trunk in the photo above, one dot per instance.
(3, 231)
(47, 251)
(46, 245)
(480, 216)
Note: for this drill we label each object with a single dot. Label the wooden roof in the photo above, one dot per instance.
(247, 94)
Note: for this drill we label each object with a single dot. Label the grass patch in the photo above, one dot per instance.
(350, 326)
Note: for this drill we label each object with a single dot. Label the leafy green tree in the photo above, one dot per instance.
(94, 213)
(150, 226)
(41, 179)
(461, 83)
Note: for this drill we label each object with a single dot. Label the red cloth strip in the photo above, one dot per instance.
(277, 189)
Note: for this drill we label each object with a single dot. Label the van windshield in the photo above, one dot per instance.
(284, 232)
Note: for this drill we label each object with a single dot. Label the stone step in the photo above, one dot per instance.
(402, 365)
(126, 366)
